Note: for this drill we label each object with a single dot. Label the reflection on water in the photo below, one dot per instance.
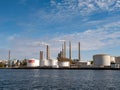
(38, 79)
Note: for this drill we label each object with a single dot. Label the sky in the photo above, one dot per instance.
(27, 26)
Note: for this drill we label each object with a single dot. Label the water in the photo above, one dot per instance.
(38, 79)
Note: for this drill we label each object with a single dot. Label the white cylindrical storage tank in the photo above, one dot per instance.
(54, 63)
(33, 63)
(64, 64)
(88, 63)
(112, 59)
(101, 60)
(117, 60)
(47, 63)
(41, 63)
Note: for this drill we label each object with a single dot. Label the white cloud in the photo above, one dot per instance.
(67, 11)
(85, 7)
(12, 37)
(94, 39)
(103, 37)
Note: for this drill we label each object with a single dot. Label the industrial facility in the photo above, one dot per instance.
(105, 60)
(101, 60)
(62, 61)
(33, 62)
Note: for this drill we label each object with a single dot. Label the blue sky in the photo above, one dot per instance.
(26, 25)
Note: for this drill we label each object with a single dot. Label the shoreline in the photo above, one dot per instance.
(47, 68)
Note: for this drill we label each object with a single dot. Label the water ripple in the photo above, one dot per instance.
(59, 80)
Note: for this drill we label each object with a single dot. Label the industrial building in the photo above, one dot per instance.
(117, 60)
(62, 61)
(64, 64)
(33, 63)
(84, 64)
(101, 60)
(51, 63)
(46, 63)
(54, 63)
(112, 59)
(105, 60)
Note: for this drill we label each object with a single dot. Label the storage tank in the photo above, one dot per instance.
(112, 59)
(41, 63)
(47, 63)
(33, 62)
(64, 64)
(54, 63)
(101, 60)
(117, 60)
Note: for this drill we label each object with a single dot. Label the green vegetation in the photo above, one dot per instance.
(91, 62)
(1, 65)
(64, 59)
(24, 62)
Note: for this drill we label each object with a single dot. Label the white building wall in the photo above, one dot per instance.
(117, 60)
(64, 64)
(101, 60)
(47, 63)
(112, 59)
(54, 63)
(84, 63)
(33, 63)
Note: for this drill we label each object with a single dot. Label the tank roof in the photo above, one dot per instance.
(101, 55)
(118, 57)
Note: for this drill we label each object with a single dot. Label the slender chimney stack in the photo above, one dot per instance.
(41, 55)
(9, 55)
(64, 49)
(79, 57)
(70, 53)
(47, 52)
(62, 52)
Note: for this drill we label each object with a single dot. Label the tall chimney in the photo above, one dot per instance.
(62, 52)
(47, 52)
(41, 55)
(64, 49)
(79, 57)
(70, 53)
(9, 55)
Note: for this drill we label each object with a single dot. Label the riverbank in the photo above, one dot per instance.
(46, 68)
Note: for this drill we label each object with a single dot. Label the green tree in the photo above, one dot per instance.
(91, 62)
(24, 62)
(1, 64)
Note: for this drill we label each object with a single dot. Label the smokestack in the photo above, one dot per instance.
(47, 52)
(62, 52)
(9, 55)
(41, 55)
(70, 53)
(79, 57)
(64, 49)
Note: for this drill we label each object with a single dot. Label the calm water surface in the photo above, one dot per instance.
(37, 79)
